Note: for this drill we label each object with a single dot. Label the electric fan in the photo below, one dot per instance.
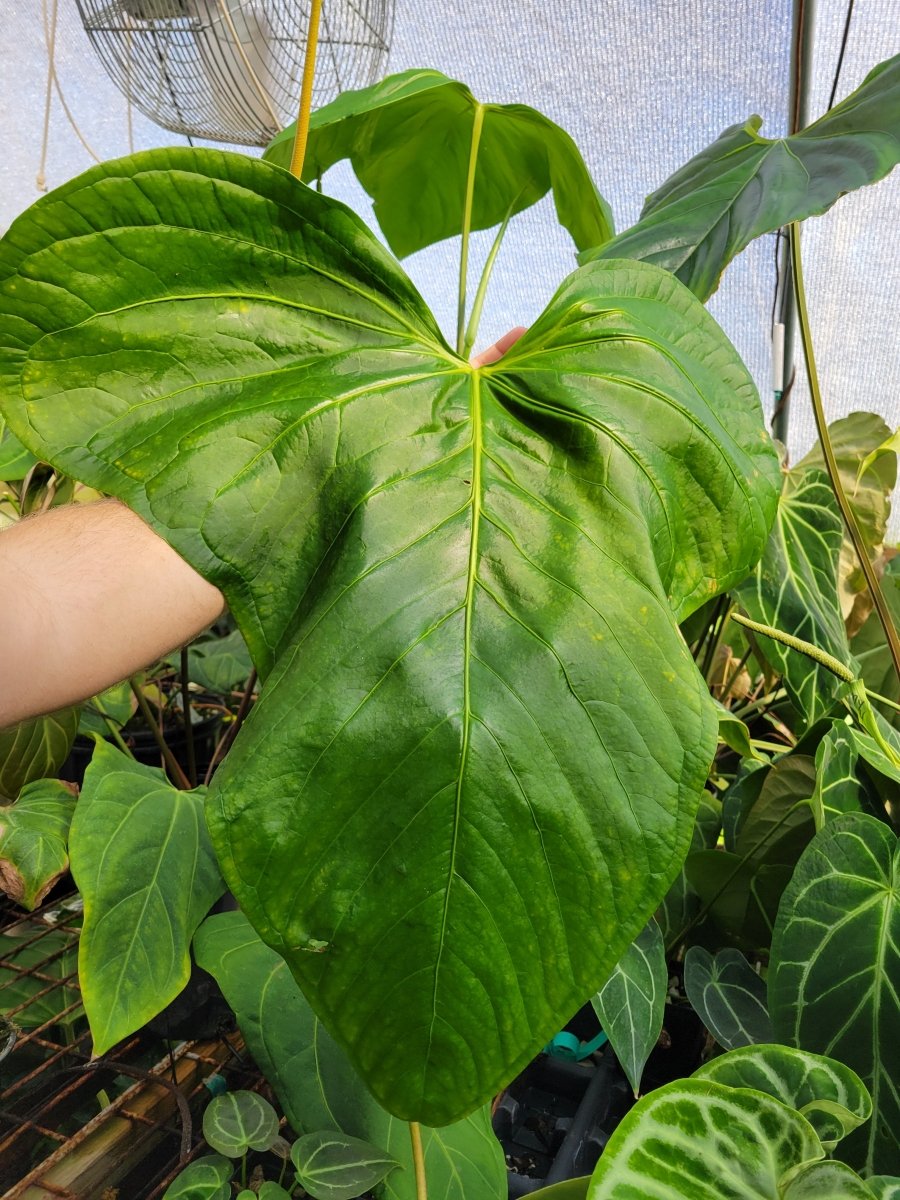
(229, 70)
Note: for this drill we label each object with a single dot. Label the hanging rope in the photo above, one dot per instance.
(50, 23)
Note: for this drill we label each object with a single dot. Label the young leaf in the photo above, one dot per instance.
(208, 1178)
(272, 1191)
(220, 663)
(831, 1096)
(35, 750)
(795, 589)
(471, 580)
(827, 1181)
(697, 1140)
(236, 1122)
(314, 1081)
(838, 790)
(729, 997)
(34, 834)
(143, 862)
(630, 1004)
(744, 185)
(834, 969)
(333, 1166)
(735, 734)
(409, 139)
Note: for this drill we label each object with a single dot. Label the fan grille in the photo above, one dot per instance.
(229, 70)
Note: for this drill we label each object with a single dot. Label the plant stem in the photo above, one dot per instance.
(309, 69)
(415, 1136)
(477, 123)
(755, 705)
(831, 463)
(181, 780)
(478, 304)
(186, 715)
(715, 635)
(225, 744)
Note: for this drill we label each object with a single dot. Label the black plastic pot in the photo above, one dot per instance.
(143, 746)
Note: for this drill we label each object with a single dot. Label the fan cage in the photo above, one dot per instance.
(229, 70)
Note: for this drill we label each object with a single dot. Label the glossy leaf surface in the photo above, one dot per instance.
(795, 589)
(831, 1096)
(35, 750)
(728, 996)
(697, 1140)
(208, 1178)
(34, 835)
(239, 1121)
(828, 1181)
(744, 185)
(15, 460)
(630, 1004)
(409, 139)
(835, 966)
(484, 730)
(314, 1081)
(144, 864)
(333, 1166)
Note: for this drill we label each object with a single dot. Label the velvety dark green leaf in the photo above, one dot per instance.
(208, 1178)
(735, 734)
(15, 460)
(272, 1191)
(744, 185)
(827, 1181)
(144, 864)
(697, 1140)
(50, 991)
(34, 835)
(831, 1096)
(795, 589)
(35, 750)
(740, 798)
(835, 965)
(239, 1121)
(314, 1081)
(333, 1166)
(741, 894)
(409, 139)
(870, 648)
(630, 1004)
(838, 789)
(780, 822)
(728, 996)
(681, 902)
(484, 734)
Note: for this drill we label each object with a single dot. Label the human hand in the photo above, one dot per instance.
(499, 348)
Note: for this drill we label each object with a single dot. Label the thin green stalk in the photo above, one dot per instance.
(478, 305)
(477, 123)
(757, 705)
(171, 762)
(415, 1136)
(828, 451)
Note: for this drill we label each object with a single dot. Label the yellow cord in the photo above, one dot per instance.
(309, 70)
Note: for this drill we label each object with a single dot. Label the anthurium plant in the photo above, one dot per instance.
(476, 766)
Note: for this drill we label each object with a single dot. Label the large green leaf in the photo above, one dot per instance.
(779, 823)
(728, 996)
(15, 460)
(630, 1004)
(795, 589)
(483, 740)
(681, 902)
(143, 862)
(34, 834)
(410, 140)
(744, 185)
(830, 1095)
(833, 983)
(697, 1140)
(35, 749)
(314, 1081)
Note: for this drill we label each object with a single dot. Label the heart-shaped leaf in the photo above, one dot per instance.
(828, 1181)
(835, 965)
(236, 1122)
(35, 750)
(34, 835)
(208, 1178)
(838, 789)
(729, 997)
(314, 1081)
(795, 589)
(483, 730)
(144, 864)
(630, 1004)
(697, 1140)
(744, 185)
(333, 1166)
(831, 1096)
(411, 138)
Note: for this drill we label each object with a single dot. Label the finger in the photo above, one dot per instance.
(499, 348)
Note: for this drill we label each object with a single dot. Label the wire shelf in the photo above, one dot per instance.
(229, 70)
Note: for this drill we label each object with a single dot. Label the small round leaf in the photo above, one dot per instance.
(238, 1122)
(332, 1166)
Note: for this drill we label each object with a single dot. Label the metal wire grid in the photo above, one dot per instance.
(60, 1133)
(229, 70)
